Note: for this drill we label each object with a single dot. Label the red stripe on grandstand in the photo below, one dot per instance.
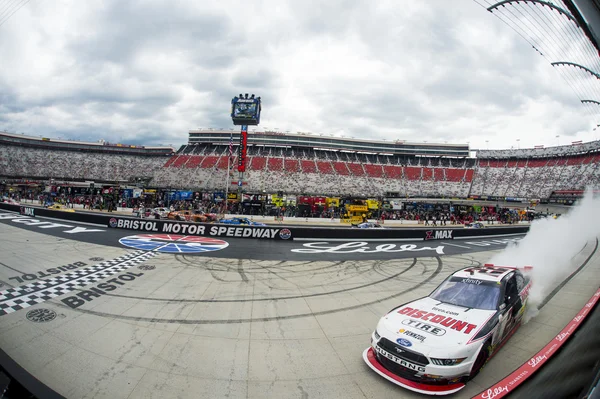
(510, 383)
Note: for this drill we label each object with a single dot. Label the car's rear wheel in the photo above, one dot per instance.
(482, 358)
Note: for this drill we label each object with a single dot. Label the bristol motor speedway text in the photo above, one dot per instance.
(194, 229)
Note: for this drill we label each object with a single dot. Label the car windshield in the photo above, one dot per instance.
(469, 293)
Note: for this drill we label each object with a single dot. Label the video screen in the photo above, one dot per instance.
(244, 110)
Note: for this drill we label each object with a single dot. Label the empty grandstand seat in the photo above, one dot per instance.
(325, 167)
(209, 161)
(393, 172)
(412, 173)
(275, 164)
(308, 166)
(374, 170)
(222, 162)
(194, 161)
(291, 165)
(341, 168)
(258, 163)
(356, 169)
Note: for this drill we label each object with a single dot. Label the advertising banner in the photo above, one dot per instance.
(243, 149)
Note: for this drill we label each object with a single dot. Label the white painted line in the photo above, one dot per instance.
(359, 239)
(57, 219)
(491, 236)
(456, 245)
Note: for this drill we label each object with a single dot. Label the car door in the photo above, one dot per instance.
(511, 306)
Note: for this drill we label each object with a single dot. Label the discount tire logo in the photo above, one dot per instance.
(173, 244)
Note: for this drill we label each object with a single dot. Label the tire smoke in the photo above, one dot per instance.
(555, 248)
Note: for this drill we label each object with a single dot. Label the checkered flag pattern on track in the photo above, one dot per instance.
(18, 298)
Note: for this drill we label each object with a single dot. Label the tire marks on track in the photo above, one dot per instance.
(416, 286)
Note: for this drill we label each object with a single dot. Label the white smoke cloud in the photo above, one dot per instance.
(551, 246)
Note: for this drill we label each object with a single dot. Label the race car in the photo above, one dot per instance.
(368, 225)
(192, 216)
(474, 225)
(238, 220)
(7, 200)
(160, 213)
(435, 344)
(59, 207)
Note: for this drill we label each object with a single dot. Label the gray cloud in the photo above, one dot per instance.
(146, 71)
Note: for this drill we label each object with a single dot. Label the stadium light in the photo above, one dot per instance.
(518, 144)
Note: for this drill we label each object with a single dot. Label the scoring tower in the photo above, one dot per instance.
(245, 111)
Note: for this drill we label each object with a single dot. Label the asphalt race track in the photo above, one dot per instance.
(239, 318)
(240, 248)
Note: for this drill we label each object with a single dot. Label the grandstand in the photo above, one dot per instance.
(313, 164)
(43, 158)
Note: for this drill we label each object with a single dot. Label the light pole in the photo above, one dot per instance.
(518, 144)
(558, 139)
(487, 144)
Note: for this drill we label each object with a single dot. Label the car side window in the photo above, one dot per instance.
(520, 282)
(511, 290)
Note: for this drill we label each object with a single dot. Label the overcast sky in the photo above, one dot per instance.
(145, 72)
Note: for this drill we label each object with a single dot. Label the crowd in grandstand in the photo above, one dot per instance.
(329, 172)
(527, 173)
(73, 165)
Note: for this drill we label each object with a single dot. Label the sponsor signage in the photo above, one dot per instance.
(47, 272)
(439, 235)
(169, 243)
(27, 211)
(443, 320)
(361, 246)
(88, 294)
(28, 221)
(428, 328)
(411, 334)
(198, 229)
(242, 149)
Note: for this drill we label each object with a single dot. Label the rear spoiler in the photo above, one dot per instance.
(525, 268)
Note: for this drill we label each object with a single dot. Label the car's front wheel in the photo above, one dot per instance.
(482, 358)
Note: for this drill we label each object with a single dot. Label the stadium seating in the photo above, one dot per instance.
(508, 173)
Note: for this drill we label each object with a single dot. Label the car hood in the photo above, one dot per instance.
(429, 324)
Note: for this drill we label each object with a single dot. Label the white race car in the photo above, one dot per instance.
(368, 225)
(434, 345)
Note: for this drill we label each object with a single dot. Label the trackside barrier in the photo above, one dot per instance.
(440, 233)
(274, 232)
(72, 216)
(510, 383)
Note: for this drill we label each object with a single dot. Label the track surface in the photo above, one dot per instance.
(240, 248)
(274, 324)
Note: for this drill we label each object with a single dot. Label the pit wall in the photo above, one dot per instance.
(280, 231)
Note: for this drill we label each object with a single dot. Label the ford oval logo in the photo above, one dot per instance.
(403, 342)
